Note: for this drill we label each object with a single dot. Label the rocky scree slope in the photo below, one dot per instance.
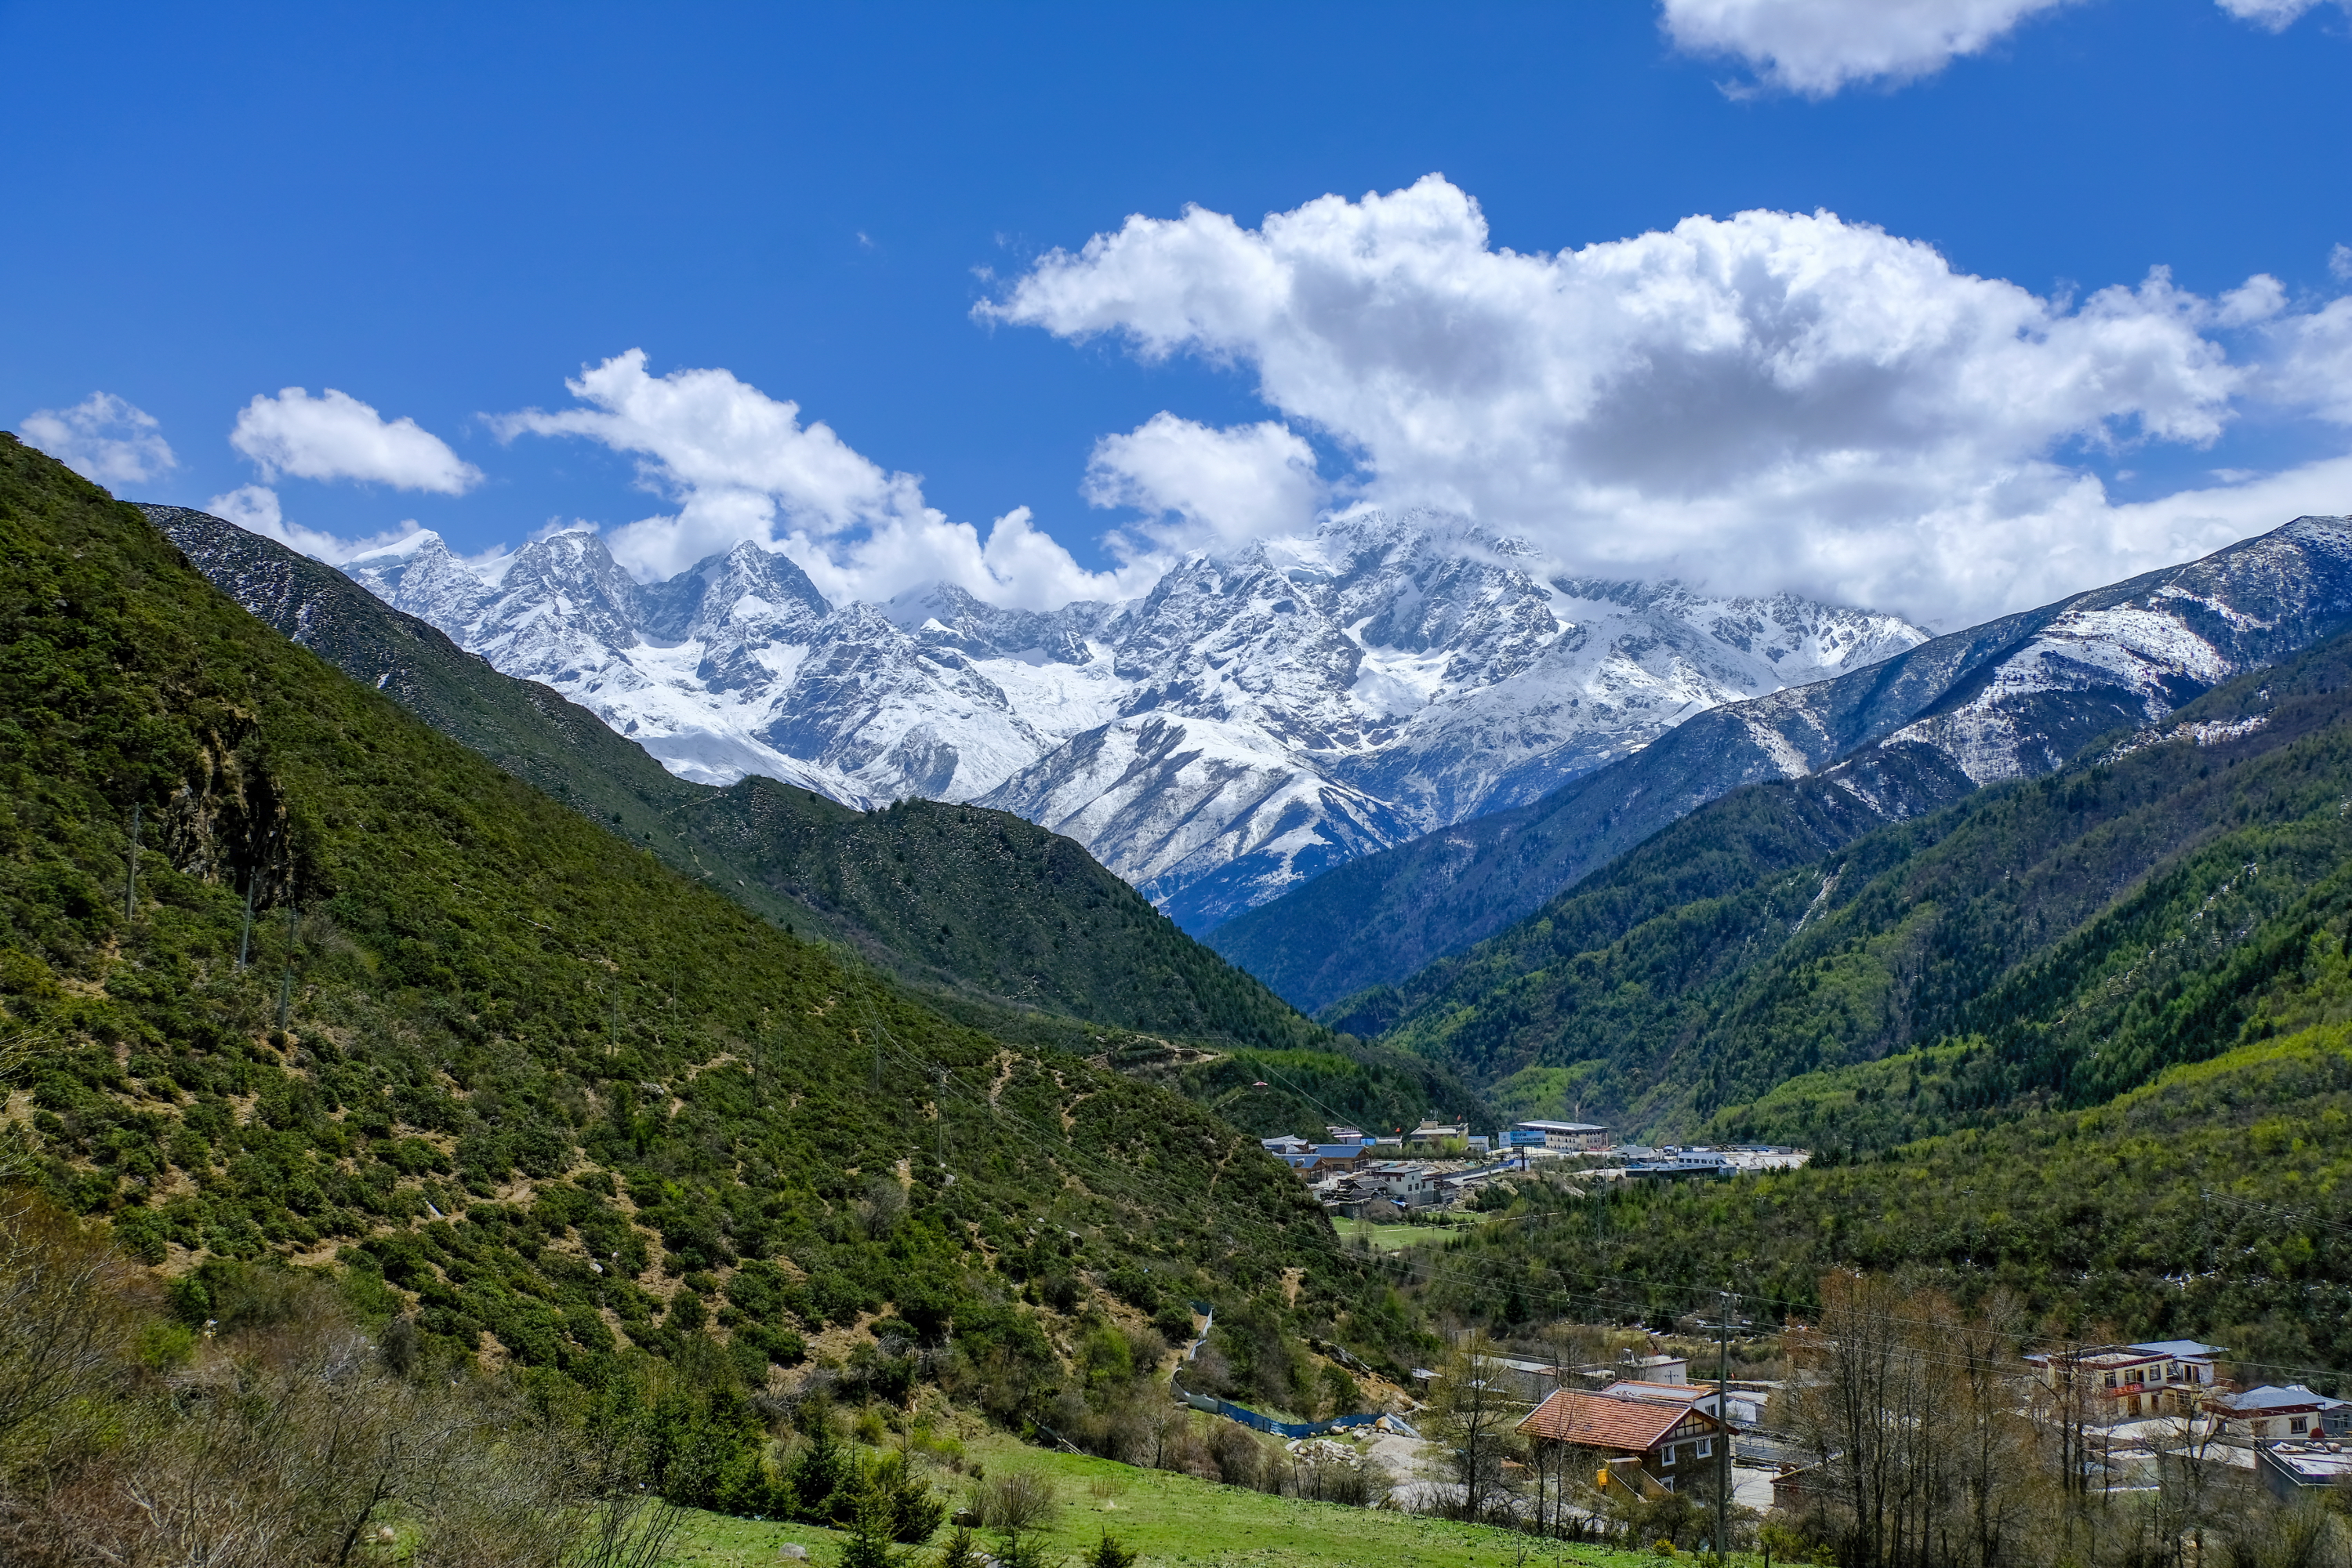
(510, 1076)
(2014, 698)
(1006, 927)
(1247, 723)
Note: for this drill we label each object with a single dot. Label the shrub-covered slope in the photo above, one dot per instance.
(1010, 928)
(541, 1087)
(2087, 929)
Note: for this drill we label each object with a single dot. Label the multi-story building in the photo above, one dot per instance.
(1567, 1137)
(2125, 1382)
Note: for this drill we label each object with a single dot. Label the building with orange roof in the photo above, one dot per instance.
(1630, 1438)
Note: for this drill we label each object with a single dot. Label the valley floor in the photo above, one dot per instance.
(1393, 1238)
(1176, 1518)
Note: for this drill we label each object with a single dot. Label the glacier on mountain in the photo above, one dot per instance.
(1249, 722)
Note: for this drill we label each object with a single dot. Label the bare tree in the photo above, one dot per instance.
(64, 1319)
(1016, 1503)
(1474, 1420)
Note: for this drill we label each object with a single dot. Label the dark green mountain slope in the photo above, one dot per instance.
(1010, 928)
(2089, 928)
(528, 1084)
(2206, 1204)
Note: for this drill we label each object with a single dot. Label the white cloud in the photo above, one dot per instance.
(1817, 47)
(337, 436)
(102, 438)
(2339, 262)
(2258, 298)
(2275, 15)
(741, 465)
(2311, 365)
(1767, 400)
(256, 509)
(1208, 488)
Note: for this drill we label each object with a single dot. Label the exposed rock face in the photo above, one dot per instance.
(1249, 722)
(2014, 697)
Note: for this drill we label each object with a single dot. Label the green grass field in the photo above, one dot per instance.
(1171, 1518)
(1391, 1237)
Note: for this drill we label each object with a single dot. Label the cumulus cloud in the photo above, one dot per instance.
(102, 438)
(1817, 47)
(2311, 364)
(1203, 487)
(1769, 400)
(256, 509)
(741, 465)
(337, 436)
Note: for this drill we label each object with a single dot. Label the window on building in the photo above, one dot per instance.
(1668, 1456)
(1705, 1449)
(2298, 1425)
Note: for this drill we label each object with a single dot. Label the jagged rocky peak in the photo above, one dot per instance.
(1252, 718)
(742, 593)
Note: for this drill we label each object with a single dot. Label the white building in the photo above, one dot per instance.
(2293, 1411)
(1568, 1137)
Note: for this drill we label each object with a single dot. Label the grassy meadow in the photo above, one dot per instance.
(1395, 1238)
(1171, 1518)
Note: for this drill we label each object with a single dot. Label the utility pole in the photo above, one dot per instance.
(286, 985)
(1723, 1415)
(940, 1108)
(130, 897)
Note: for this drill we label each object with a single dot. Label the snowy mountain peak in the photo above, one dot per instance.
(421, 575)
(1250, 719)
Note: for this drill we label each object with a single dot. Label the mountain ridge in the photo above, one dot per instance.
(2040, 941)
(1249, 720)
(2015, 696)
(1007, 928)
(507, 1078)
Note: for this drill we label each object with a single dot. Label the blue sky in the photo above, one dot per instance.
(446, 218)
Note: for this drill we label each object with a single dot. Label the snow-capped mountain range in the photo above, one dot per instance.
(1250, 721)
(2017, 697)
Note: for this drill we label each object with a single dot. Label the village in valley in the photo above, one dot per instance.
(1640, 1420)
(1440, 1168)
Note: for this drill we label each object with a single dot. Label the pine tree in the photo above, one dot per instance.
(962, 1550)
(1111, 1553)
(819, 1471)
(872, 1522)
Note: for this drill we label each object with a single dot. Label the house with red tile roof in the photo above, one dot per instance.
(1631, 1438)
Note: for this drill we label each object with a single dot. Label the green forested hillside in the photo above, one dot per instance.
(1005, 926)
(2084, 931)
(2209, 1203)
(533, 1093)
